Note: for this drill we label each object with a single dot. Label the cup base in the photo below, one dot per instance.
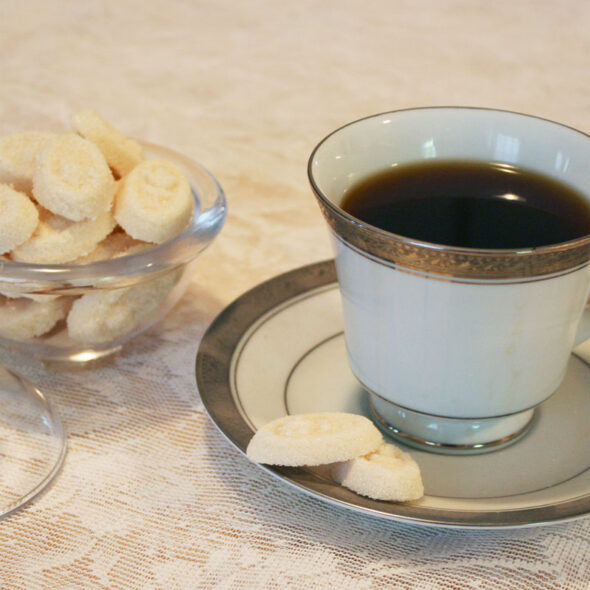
(455, 436)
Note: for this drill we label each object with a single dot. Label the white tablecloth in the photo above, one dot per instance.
(151, 495)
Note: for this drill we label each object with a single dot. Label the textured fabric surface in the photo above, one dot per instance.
(151, 496)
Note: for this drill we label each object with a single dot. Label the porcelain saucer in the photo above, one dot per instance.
(279, 349)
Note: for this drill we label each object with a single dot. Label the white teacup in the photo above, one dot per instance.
(456, 346)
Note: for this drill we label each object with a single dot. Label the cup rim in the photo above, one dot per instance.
(559, 253)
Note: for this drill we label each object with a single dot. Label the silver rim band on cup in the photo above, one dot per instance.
(469, 263)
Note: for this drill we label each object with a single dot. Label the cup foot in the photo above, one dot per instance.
(459, 436)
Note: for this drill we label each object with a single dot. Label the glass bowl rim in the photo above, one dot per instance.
(205, 224)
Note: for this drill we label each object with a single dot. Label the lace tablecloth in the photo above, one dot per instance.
(151, 495)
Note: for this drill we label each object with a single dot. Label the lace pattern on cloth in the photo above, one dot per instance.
(151, 495)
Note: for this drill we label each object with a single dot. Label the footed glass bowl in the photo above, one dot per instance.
(123, 296)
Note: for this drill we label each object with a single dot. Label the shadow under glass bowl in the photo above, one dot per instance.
(136, 291)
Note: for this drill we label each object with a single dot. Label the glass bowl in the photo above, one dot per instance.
(129, 294)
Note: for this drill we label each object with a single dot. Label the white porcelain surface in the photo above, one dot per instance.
(454, 346)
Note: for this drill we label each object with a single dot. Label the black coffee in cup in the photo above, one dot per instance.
(470, 204)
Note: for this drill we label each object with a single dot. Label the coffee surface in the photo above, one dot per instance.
(470, 204)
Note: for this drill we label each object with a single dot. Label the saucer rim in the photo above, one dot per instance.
(213, 366)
